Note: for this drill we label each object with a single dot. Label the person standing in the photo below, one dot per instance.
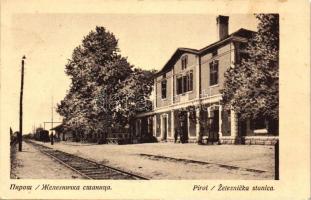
(176, 133)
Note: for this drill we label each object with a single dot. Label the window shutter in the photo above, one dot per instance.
(190, 81)
(179, 85)
(185, 84)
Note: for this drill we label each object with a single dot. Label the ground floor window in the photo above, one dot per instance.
(259, 126)
(258, 123)
(273, 127)
(158, 126)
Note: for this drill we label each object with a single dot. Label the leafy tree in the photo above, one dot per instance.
(103, 84)
(133, 97)
(252, 87)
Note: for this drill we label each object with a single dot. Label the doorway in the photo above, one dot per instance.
(213, 134)
(183, 126)
(164, 126)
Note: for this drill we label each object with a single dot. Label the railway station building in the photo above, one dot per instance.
(187, 97)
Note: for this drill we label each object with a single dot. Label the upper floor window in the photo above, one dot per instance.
(163, 89)
(190, 81)
(184, 62)
(213, 72)
(240, 52)
(179, 84)
(184, 83)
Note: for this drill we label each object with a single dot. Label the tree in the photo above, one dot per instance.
(252, 87)
(133, 97)
(103, 85)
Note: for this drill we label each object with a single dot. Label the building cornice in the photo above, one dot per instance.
(176, 106)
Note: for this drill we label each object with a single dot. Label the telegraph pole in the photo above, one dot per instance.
(52, 135)
(21, 107)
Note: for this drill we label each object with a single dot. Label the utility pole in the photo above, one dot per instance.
(21, 107)
(52, 135)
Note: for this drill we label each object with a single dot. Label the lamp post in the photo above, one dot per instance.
(21, 107)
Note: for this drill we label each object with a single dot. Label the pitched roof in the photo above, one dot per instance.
(58, 127)
(245, 33)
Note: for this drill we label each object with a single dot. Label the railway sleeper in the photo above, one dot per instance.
(82, 165)
(79, 162)
(86, 168)
(93, 170)
(103, 173)
(67, 160)
(106, 173)
(111, 177)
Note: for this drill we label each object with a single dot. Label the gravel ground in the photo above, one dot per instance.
(32, 164)
(128, 157)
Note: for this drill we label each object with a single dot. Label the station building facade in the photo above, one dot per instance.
(187, 97)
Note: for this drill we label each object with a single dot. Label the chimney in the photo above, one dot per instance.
(222, 26)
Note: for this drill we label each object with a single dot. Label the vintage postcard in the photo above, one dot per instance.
(155, 99)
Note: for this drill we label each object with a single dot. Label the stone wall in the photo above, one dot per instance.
(261, 140)
(250, 140)
(256, 140)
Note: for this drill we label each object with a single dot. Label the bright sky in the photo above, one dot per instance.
(47, 40)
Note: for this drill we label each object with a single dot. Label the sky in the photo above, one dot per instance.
(47, 40)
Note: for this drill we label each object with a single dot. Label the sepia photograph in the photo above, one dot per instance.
(154, 100)
(147, 97)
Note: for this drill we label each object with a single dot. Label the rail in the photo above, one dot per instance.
(85, 167)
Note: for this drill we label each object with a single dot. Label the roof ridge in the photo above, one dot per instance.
(200, 51)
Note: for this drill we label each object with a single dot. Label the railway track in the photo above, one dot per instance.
(87, 168)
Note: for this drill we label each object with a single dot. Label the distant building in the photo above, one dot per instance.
(61, 134)
(187, 98)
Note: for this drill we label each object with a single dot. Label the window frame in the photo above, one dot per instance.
(164, 81)
(258, 123)
(184, 83)
(214, 73)
(179, 85)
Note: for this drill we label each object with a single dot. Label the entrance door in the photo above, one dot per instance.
(214, 126)
(184, 127)
(164, 127)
